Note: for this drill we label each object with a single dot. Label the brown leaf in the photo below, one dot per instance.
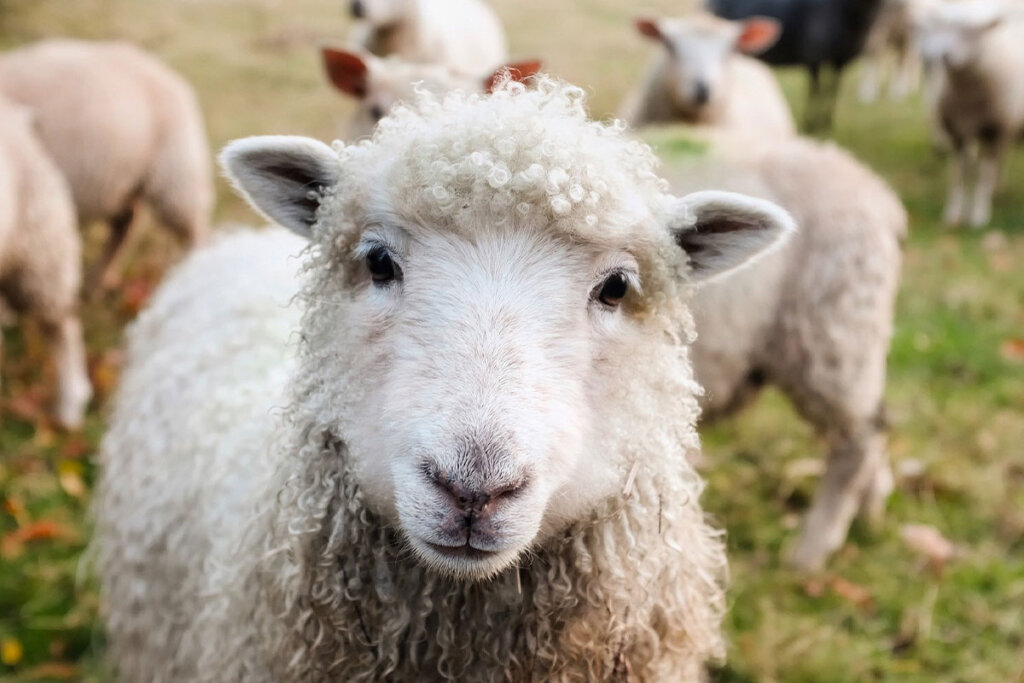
(928, 541)
(105, 371)
(13, 543)
(855, 594)
(60, 671)
(1012, 350)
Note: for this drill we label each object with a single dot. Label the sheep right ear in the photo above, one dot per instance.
(757, 34)
(283, 177)
(348, 71)
(721, 231)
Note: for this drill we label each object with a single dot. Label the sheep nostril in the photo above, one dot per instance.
(701, 93)
(474, 499)
(357, 9)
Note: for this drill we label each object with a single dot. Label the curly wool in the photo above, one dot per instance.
(303, 580)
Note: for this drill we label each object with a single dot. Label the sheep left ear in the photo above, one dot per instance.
(721, 231)
(757, 34)
(284, 177)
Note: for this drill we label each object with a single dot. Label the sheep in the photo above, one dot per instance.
(981, 102)
(813, 318)
(123, 128)
(891, 35)
(463, 35)
(379, 84)
(471, 462)
(699, 78)
(40, 269)
(821, 35)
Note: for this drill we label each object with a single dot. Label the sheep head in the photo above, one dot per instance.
(494, 279)
(951, 34)
(697, 47)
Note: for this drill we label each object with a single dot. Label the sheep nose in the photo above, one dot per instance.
(357, 9)
(701, 93)
(475, 501)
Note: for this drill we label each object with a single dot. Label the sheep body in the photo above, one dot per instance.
(813, 318)
(310, 567)
(40, 253)
(464, 35)
(136, 133)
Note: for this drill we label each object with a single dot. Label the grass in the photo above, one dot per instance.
(956, 383)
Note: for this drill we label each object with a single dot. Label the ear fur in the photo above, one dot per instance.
(721, 231)
(649, 28)
(283, 177)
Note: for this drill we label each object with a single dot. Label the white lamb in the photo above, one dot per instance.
(813, 318)
(980, 106)
(40, 254)
(379, 84)
(474, 465)
(465, 36)
(700, 77)
(123, 128)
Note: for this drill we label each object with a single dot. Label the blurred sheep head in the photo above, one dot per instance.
(378, 84)
(951, 33)
(697, 49)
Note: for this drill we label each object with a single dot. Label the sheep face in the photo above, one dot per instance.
(698, 48)
(952, 34)
(472, 328)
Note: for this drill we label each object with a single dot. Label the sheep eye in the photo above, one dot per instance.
(613, 290)
(382, 268)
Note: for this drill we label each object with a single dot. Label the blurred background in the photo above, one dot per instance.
(891, 606)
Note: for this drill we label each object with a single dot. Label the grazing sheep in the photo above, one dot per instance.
(699, 78)
(123, 128)
(821, 35)
(813, 318)
(40, 254)
(891, 38)
(379, 84)
(462, 35)
(475, 464)
(981, 99)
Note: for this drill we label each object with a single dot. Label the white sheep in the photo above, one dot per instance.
(474, 465)
(123, 128)
(40, 254)
(813, 318)
(701, 77)
(379, 84)
(981, 99)
(465, 36)
(891, 45)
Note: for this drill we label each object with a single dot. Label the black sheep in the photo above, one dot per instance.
(822, 35)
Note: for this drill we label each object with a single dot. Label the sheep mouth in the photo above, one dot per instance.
(461, 552)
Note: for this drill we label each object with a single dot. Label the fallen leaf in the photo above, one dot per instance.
(74, 447)
(928, 541)
(13, 543)
(10, 651)
(1012, 350)
(104, 372)
(69, 474)
(855, 594)
(60, 671)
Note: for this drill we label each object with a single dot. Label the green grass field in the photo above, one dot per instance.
(956, 382)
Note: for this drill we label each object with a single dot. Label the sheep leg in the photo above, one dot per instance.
(907, 75)
(105, 275)
(871, 79)
(74, 389)
(956, 202)
(812, 111)
(990, 161)
(851, 472)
